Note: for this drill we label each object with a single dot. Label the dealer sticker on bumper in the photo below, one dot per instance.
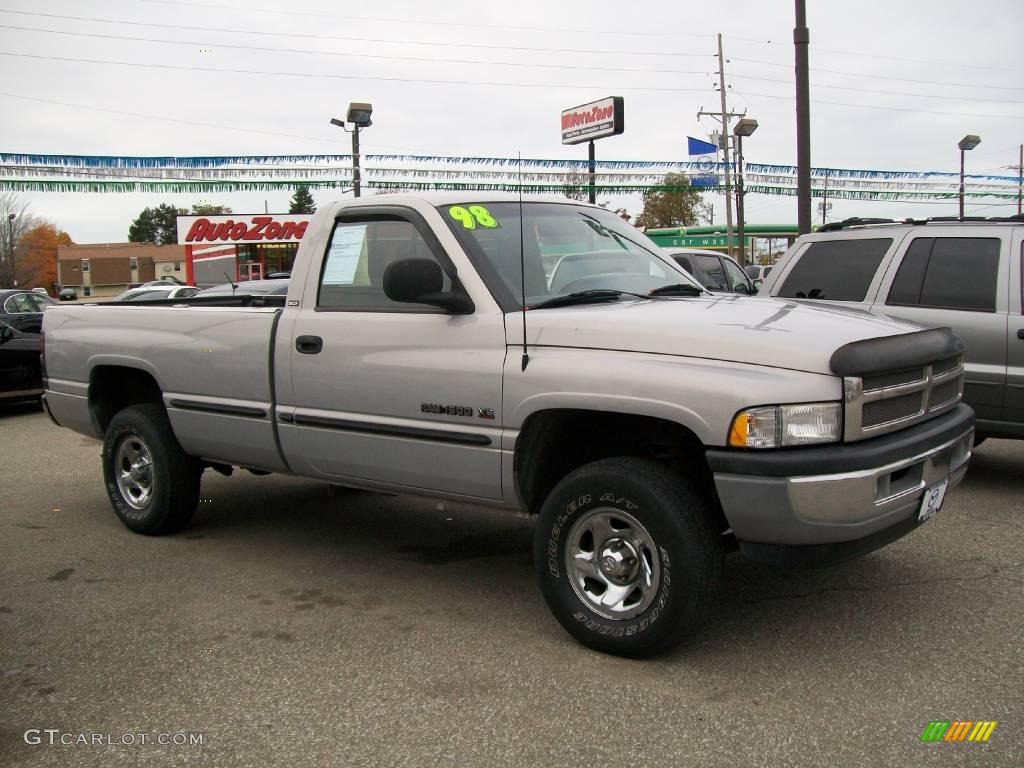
(931, 502)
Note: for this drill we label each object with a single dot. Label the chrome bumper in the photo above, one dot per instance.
(809, 497)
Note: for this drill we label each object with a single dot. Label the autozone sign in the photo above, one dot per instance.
(287, 228)
(592, 121)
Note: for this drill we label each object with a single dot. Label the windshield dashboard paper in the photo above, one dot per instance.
(343, 258)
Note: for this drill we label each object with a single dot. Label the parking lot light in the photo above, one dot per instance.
(968, 142)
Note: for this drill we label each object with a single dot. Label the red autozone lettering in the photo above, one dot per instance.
(257, 228)
(594, 115)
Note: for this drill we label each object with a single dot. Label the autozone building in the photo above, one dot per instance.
(239, 246)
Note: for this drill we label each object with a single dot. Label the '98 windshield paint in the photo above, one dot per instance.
(565, 248)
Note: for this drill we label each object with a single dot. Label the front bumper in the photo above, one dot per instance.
(813, 506)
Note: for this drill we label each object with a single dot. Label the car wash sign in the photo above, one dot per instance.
(592, 121)
(281, 228)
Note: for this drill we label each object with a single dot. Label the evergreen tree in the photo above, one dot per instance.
(302, 201)
(156, 225)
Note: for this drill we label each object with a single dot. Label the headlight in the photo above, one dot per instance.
(777, 426)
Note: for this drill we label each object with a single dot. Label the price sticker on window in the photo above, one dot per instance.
(473, 216)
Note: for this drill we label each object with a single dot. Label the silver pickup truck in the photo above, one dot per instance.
(649, 425)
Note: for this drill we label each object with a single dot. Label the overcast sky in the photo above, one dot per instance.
(950, 67)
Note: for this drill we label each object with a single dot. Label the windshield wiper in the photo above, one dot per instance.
(678, 289)
(585, 297)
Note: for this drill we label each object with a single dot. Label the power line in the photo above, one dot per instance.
(873, 76)
(307, 51)
(264, 73)
(165, 119)
(875, 90)
(929, 62)
(308, 36)
(421, 22)
(883, 108)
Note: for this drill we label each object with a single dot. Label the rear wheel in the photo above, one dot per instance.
(152, 483)
(627, 556)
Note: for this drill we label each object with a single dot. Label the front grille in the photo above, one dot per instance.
(891, 400)
(894, 379)
(944, 393)
(896, 409)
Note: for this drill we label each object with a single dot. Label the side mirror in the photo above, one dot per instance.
(420, 281)
(741, 288)
(6, 334)
(757, 284)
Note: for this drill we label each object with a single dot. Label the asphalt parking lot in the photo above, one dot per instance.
(289, 626)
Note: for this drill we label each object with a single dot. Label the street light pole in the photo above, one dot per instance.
(968, 142)
(744, 127)
(355, 161)
(359, 115)
(10, 241)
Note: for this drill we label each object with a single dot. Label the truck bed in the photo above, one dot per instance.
(211, 361)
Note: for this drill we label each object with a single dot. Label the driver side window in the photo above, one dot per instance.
(357, 256)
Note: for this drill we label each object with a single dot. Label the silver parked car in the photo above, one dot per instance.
(939, 273)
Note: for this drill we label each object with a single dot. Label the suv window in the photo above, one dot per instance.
(948, 273)
(711, 269)
(736, 276)
(840, 270)
(358, 254)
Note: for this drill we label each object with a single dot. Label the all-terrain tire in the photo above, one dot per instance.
(152, 483)
(622, 518)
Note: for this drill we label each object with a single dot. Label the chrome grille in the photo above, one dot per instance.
(884, 402)
(883, 411)
(882, 380)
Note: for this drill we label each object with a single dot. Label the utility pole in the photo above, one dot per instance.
(801, 42)
(824, 200)
(591, 174)
(725, 148)
(1020, 179)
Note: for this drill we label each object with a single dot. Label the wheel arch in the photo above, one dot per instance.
(555, 441)
(114, 386)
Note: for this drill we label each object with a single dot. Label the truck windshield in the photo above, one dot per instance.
(566, 249)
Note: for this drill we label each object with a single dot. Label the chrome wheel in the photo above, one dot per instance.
(133, 464)
(612, 563)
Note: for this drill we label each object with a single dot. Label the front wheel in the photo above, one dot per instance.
(627, 556)
(152, 483)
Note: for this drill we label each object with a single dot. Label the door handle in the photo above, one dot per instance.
(1020, 333)
(309, 345)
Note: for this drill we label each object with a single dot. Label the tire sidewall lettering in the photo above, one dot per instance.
(555, 552)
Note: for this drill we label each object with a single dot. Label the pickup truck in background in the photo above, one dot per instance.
(649, 425)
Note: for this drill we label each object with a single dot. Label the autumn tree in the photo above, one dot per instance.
(11, 230)
(302, 200)
(156, 225)
(37, 255)
(674, 203)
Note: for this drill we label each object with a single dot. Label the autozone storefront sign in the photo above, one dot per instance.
(288, 228)
(592, 121)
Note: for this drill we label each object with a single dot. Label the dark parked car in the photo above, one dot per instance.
(715, 271)
(67, 294)
(23, 310)
(21, 377)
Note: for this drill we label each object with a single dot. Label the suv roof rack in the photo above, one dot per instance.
(835, 226)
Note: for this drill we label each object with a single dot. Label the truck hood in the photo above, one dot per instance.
(744, 329)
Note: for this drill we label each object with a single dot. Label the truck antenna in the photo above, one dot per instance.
(522, 261)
